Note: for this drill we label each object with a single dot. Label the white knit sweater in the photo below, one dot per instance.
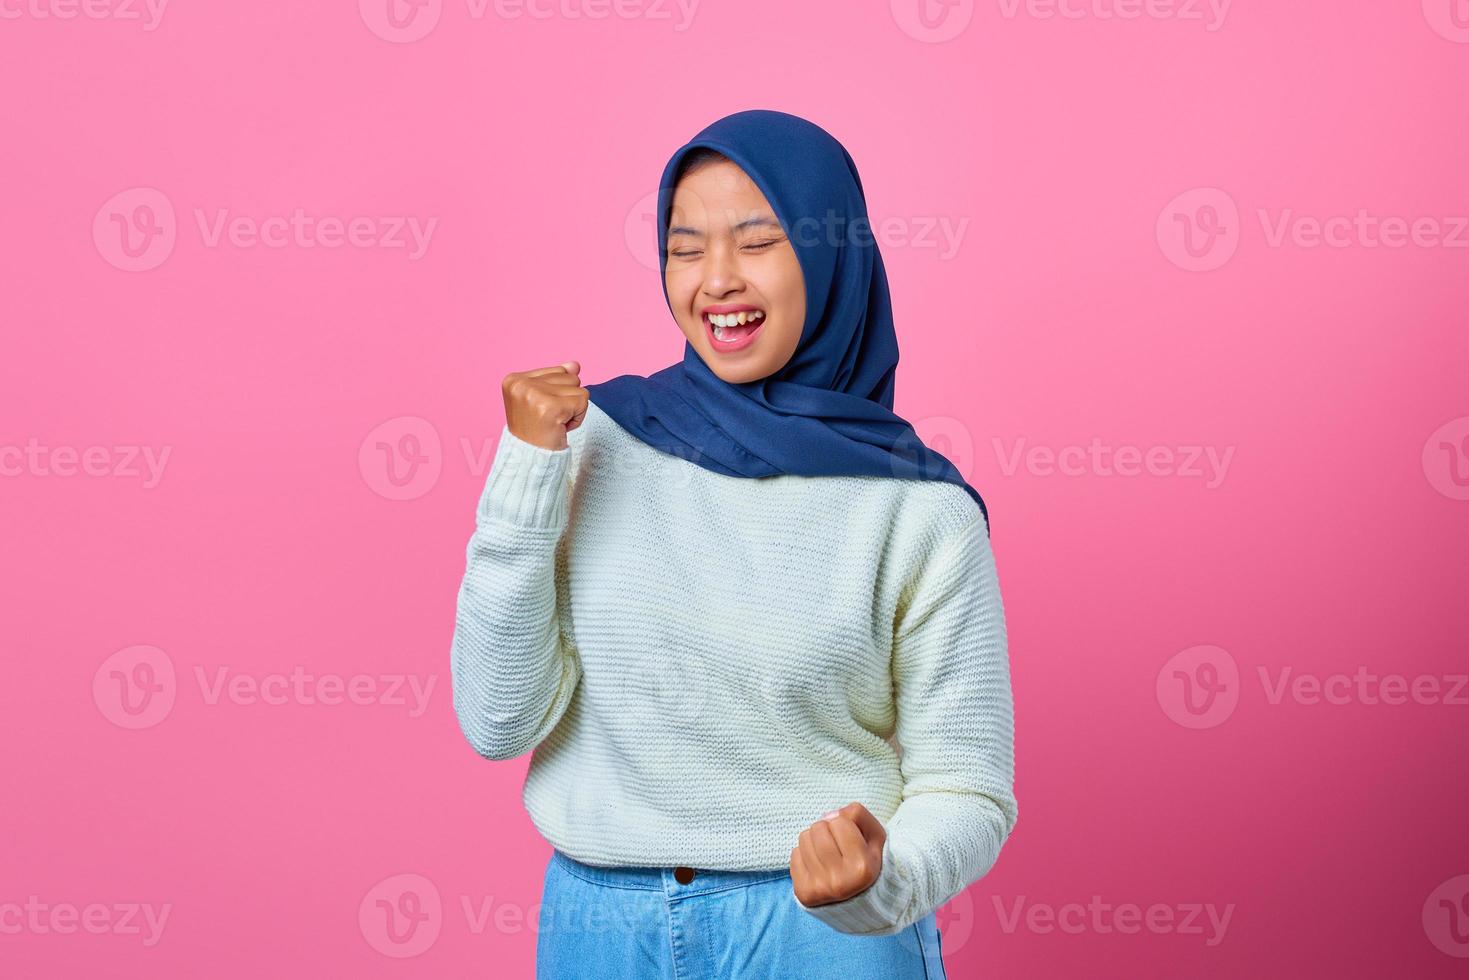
(705, 664)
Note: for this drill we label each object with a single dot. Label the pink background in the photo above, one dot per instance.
(1080, 303)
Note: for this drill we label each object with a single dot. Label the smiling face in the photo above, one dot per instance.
(734, 282)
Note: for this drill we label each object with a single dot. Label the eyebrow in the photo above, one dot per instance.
(747, 223)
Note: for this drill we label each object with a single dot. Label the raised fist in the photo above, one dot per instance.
(541, 406)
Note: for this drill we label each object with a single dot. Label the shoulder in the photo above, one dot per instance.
(934, 515)
(938, 536)
(593, 424)
(590, 418)
(946, 555)
(601, 441)
(598, 442)
(577, 441)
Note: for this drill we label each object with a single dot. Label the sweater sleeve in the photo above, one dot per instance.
(955, 732)
(513, 673)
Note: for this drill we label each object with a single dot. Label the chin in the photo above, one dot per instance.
(740, 377)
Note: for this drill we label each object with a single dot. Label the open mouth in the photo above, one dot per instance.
(732, 329)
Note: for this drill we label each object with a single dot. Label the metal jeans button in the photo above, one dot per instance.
(683, 875)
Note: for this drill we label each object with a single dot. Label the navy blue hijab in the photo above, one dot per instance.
(829, 410)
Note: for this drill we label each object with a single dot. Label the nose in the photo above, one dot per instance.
(722, 272)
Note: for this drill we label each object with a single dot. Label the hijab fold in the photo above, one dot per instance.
(829, 410)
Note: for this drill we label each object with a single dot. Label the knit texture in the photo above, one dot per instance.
(705, 664)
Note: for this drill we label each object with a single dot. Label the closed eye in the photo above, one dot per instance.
(689, 253)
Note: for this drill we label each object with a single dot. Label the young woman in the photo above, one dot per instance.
(748, 622)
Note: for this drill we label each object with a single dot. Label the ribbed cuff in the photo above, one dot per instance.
(874, 911)
(527, 484)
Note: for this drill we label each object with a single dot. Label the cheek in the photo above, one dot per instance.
(793, 327)
(795, 307)
(793, 289)
(681, 290)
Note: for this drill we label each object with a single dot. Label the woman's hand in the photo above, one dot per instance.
(541, 406)
(838, 856)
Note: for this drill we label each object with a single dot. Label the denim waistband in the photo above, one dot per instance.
(648, 878)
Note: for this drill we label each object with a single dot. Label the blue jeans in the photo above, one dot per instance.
(644, 923)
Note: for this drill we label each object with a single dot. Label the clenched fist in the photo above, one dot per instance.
(541, 406)
(838, 856)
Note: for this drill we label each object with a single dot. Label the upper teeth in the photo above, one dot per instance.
(735, 319)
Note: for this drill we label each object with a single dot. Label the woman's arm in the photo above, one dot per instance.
(955, 730)
(512, 674)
